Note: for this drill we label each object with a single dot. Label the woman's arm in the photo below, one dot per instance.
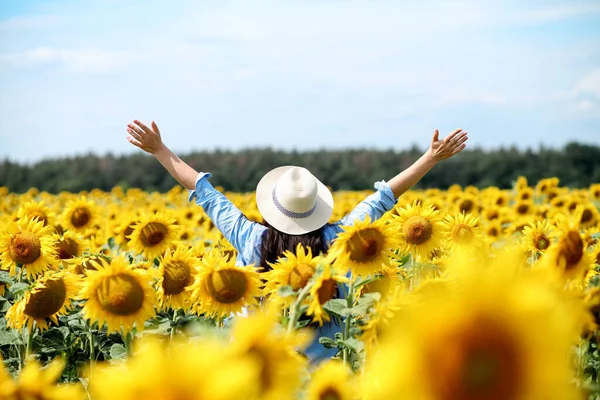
(151, 142)
(438, 150)
(385, 197)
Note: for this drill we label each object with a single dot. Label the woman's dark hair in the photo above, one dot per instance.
(276, 242)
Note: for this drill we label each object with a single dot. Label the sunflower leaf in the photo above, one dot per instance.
(118, 351)
(286, 291)
(327, 342)
(18, 289)
(9, 337)
(337, 307)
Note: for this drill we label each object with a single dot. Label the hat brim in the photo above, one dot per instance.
(283, 223)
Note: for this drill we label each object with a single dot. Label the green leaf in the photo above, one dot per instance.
(18, 289)
(5, 277)
(286, 291)
(337, 307)
(327, 342)
(118, 351)
(354, 344)
(9, 337)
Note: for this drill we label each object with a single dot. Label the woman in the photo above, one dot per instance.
(295, 205)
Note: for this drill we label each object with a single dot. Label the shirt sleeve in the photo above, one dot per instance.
(375, 205)
(232, 223)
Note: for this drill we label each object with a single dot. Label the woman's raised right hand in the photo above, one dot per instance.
(143, 137)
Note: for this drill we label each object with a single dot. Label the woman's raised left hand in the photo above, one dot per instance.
(452, 144)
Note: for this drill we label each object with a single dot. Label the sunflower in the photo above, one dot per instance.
(291, 269)
(495, 338)
(176, 273)
(521, 183)
(50, 297)
(387, 281)
(221, 288)
(461, 232)
(538, 236)
(39, 383)
(544, 185)
(523, 207)
(80, 215)
(261, 339)
(80, 265)
(118, 295)
(595, 255)
(70, 245)
(595, 191)
(493, 230)
(420, 227)
(326, 280)
(189, 370)
(38, 210)
(124, 229)
(589, 216)
(467, 204)
(28, 243)
(568, 255)
(332, 381)
(365, 247)
(153, 234)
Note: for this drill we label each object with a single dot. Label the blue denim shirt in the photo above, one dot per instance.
(246, 235)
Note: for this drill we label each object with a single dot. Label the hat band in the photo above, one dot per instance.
(288, 213)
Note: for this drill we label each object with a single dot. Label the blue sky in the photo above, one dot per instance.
(295, 74)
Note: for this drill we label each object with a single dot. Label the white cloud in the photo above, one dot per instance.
(22, 23)
(589, 85)
(78, 60)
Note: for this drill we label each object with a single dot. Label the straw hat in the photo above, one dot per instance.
(293, 201)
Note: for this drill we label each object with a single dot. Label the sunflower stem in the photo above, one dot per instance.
(30, 334)
(348, 322)
(92, 350)
(295, 309)
(173, 326)
(127, 342)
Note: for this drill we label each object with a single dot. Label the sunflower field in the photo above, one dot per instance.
(462, 294)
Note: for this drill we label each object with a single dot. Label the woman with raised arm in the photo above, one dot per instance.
(295, 205)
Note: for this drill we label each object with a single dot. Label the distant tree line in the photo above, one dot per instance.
(577, 165)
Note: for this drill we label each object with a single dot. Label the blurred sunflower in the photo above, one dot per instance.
(37, 383)
(118, 294)
(467, 204)
(461, 232)
(80, 265)
(324, 288)
(123, 230)
(154, 234)
(493, 230)
(420, 227)
(544, 185)
(538, 236)
(70, 245)
(386, 283)
(589, 216)
(332, 381)
(595, 191)
(221, 288)
(523, 207)
(364, 247)
(190, 370)
(176, 273)
(28, 243)
(80, 215)
(38, 210)
(496, 338)
(568, 256)
(292, 269)
(261, 339)
(50, 297)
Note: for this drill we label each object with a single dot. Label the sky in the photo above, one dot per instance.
(298, 75)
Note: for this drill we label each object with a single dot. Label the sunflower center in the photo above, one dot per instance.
(417, 230)
(466, 205)
(598, 258)
(227, 286)
(153, 233)
(177, 276)
(541, 242)
(120, 294)
(80, 217)
(25, 247)
(586, 216)
(571, 248)
(300, 275)
(266, 380)
(330, 394)
(492, 214)
(46, 301)
(365, 245)
(523, 208)
(478, 361)
(67, 248)
(462, 233)
(493, 231)
(128, 231)
(326, 291)
(41, 217)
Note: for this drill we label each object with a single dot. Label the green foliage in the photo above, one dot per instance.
(576, 165)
